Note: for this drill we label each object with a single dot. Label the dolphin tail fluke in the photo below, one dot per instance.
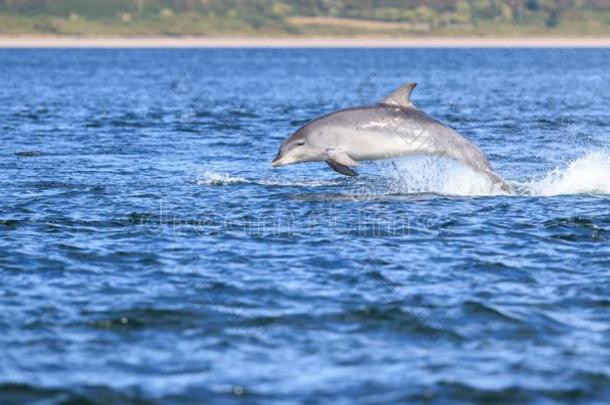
(499, 181)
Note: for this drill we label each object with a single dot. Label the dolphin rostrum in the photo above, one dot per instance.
(392, 128)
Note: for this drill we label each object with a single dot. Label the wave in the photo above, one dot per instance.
(589, 174)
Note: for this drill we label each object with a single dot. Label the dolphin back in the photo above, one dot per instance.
(418, 133)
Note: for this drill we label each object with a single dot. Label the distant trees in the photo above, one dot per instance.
(261, 12)
(554, 9)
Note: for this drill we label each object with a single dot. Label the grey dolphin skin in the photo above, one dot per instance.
(392, 128)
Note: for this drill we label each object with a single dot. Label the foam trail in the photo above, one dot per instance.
(214, 178)
(210, 178)
(589, 174)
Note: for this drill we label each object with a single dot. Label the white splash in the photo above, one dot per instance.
(589, 174)
(435, 175)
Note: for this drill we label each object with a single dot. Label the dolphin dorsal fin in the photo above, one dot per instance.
(401, 97)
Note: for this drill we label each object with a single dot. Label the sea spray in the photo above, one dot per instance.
(589, 174)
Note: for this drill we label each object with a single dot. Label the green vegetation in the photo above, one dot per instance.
(304, 17)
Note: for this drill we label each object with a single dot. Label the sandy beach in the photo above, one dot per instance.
(354, 42)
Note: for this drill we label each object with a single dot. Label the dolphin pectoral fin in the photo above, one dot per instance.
(339, 161)
(340, 156)
(342, 169)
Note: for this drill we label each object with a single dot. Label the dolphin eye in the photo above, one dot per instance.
(300, 143)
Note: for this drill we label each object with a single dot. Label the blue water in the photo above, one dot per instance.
(149, 251)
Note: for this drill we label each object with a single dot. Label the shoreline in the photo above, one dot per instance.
(300, 42)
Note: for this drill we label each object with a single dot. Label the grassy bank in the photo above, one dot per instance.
(194, 24)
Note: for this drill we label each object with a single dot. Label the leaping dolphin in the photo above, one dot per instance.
(392, 128)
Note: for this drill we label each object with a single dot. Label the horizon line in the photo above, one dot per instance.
(301, 42)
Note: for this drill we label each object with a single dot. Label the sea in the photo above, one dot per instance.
(150, 253)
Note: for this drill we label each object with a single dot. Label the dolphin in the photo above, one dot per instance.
(392, 128)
